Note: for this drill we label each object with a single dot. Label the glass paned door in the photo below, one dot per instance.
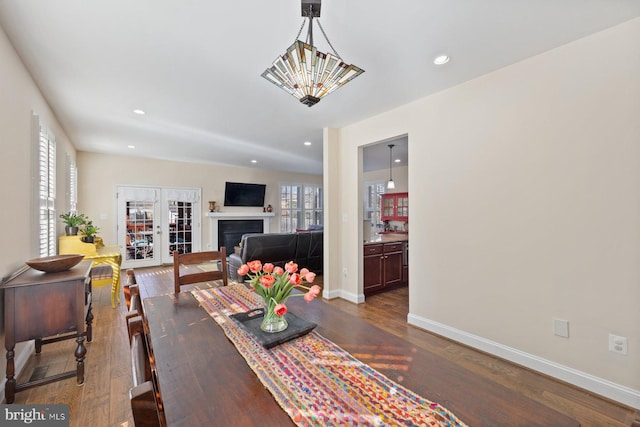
(155, 222)
(139, 226)
(140, 231)
(181, 209)
(180, 227)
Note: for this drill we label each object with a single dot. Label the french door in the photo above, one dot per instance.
(153, 222)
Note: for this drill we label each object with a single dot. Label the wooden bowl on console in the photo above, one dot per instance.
(56, 263)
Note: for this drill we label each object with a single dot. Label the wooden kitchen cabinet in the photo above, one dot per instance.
(395, 207)
(405, 263)
(383, 267)
(373, 266)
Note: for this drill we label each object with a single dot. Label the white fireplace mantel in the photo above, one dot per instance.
(214, 217)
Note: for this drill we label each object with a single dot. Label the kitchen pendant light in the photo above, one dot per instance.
(390, 184)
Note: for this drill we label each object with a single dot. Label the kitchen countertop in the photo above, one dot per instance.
(387, 238)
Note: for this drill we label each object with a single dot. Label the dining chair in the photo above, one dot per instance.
(133, 299)
(197, 267)
(130, 286)
(145, 397)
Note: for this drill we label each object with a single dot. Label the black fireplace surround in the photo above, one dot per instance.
(230, 232)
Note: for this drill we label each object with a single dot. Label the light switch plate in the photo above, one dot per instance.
(561, 328)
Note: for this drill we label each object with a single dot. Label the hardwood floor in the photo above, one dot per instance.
(103, 400)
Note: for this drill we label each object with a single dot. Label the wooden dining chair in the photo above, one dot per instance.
(130, 283)
(145, 397)
(133, 300)
(195, 268)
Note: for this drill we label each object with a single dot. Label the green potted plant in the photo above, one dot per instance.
(73, 221)
(89, 230)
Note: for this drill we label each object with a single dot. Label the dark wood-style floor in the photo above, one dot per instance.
(103, 400)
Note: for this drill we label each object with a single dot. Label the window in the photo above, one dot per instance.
(46, 191)
(300, 206)
(72, 184)
(312, 206)
(373, 191)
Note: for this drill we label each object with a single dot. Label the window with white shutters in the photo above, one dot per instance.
(46, 191)
(373, 193)
(72, 184)
(300, 206)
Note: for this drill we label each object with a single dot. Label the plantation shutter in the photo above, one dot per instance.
(46, 192)
(73, 202)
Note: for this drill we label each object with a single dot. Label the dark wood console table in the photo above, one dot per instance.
(47, 308)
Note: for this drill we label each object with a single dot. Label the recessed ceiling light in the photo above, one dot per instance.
(307, 143)
(131, 146)
(141, 112)
(254, 161)
(442, 59)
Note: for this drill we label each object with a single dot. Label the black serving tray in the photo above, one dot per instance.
(251, 320)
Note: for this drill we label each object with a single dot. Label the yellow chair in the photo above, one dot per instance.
(100, 255)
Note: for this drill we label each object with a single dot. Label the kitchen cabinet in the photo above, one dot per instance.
(383, 267)
(395, 207)
(372, 268)
(405, 263)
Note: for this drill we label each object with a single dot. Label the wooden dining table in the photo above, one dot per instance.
(204, 381)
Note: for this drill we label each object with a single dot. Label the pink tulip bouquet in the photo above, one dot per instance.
(274, 285)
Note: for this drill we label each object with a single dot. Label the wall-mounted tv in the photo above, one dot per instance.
(240, 194)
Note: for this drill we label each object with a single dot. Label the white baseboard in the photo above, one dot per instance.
(340, 293)
(19, 361)
(608, 389)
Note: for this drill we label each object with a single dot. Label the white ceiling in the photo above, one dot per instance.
(194, 66)
(377, 156)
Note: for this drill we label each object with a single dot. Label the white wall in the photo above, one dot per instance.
(527, 181)
(99, 174)
(19, 99)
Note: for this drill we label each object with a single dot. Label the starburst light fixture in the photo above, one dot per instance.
(304, 71)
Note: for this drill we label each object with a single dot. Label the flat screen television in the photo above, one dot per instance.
(240, 194)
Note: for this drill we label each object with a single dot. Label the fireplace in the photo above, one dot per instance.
(230, 231)
(234, 235)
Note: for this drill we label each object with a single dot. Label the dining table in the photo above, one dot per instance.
(205, 381)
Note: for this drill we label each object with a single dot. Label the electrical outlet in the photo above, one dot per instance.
(345, 272)
(561, 328)
(617, 344)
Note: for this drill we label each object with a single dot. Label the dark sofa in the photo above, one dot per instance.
(304, 248)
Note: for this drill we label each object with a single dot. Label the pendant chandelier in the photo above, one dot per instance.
(390, 184)
(305, 72)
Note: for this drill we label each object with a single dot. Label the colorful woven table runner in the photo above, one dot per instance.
(315, 381)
